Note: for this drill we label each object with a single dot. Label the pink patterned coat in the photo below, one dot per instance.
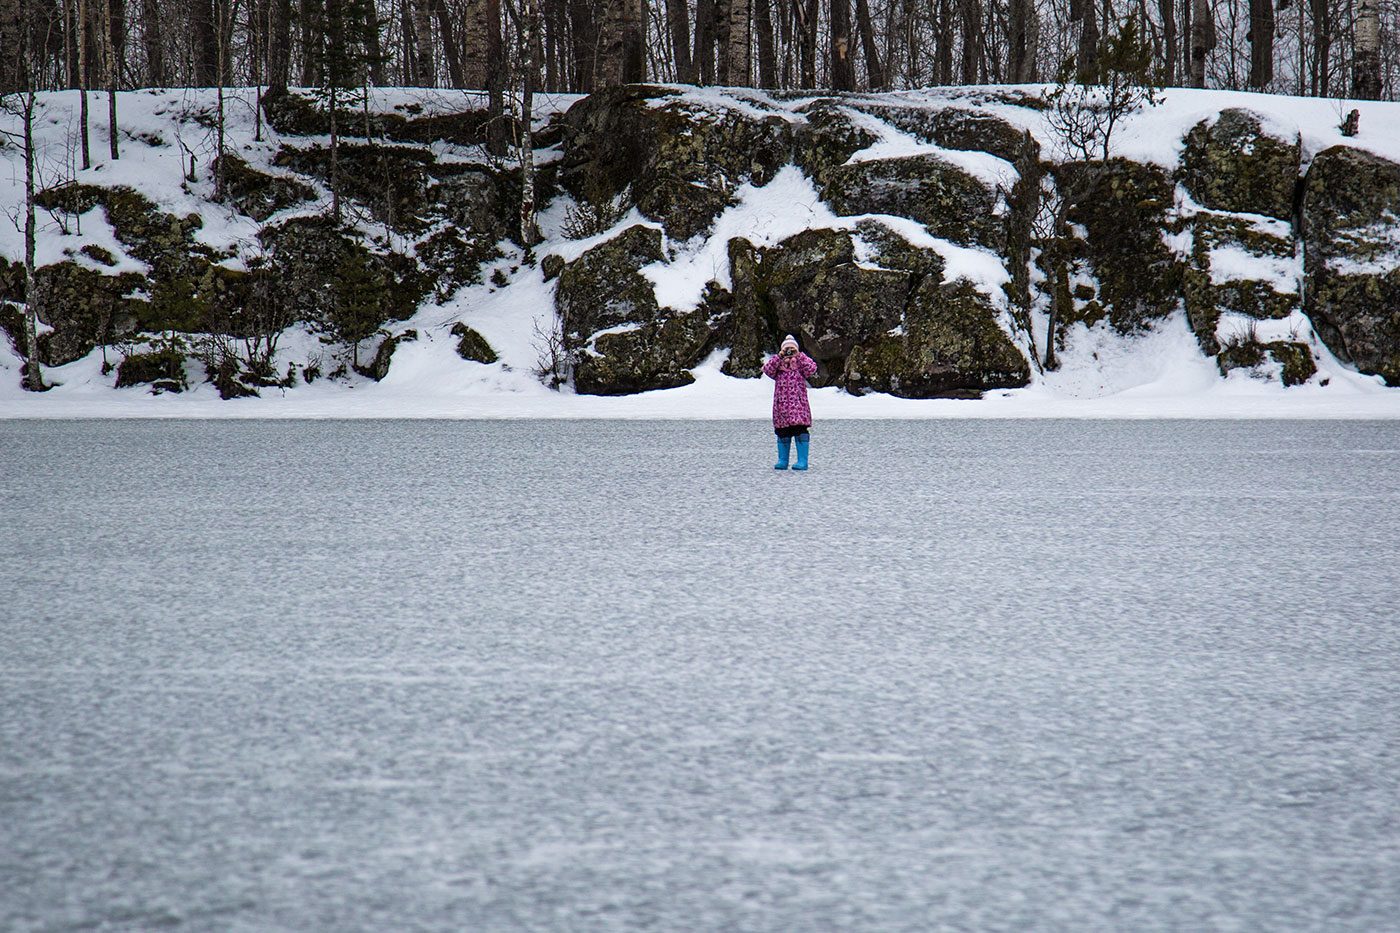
(790, 406)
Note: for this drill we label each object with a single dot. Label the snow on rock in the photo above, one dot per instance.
(1157, 370)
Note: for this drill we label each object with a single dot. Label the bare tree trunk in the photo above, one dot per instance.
(737, 44)
(806, 13)
(374, 48)
(634, 41)
(1366, 66)
(1202, 40)
(1021, 45)
(475, 43)
(206, 41)
(529, 32)
(763, 26)
(874, 71)
(1261, 44)
(109, 63)
(83, 116)
(497, 130)
(703, 60)
(33, 374)
(151, 41)
(842, 72)
(449, 44)
(279, 43)
(1168, 14)
(1322, 46)
(678, 23)
(943, 57)
(423, 34)
(335, 151)
(971, 14)
(1088, 55)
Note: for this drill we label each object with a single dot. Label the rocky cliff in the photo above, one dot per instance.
(902, 240)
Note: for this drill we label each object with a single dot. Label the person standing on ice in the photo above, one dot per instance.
(792, 416)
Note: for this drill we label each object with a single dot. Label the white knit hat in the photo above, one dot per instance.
(789, 341)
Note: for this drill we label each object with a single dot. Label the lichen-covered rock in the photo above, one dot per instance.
(827, 138)
(888, 323)
(949, 346)
(818, 292)
(258, 194)
(293, 114)
(657, 354)
(958, 128)
(476, 199)
(1224, 249)
(454, 259)
(391, 181)
(1351, 210)
(85, 308)
(1232, 164)
(938, 194)
(307, 255)
(1124, 213)
(161, 240)
(602, 289)
(1296, 365)
(471, 345)
(378, 368)
(888, 249)
(163, 369)
(680, 161)
(751, 325)
(619, 339)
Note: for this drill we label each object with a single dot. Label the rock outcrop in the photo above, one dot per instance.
(1351, 241)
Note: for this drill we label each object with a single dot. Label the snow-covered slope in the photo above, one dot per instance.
(1161, 373)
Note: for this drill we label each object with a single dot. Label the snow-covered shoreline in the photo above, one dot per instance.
(1103, 374)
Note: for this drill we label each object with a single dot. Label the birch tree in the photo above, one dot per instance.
(1366, 66)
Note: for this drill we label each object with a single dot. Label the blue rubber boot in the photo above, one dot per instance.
(802, 441)
(784, 448)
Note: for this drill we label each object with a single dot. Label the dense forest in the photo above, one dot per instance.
(1336, 48)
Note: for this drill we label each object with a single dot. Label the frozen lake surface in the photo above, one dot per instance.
(453, 676)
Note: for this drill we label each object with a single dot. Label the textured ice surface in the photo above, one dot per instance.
(449, 676)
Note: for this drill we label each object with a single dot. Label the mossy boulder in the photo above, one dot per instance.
(480, 201)
(1351, 209)
(938, 194)
(454, 259)
(161, 240)
(307, 256)
(827, 138)
(85, 308)
(680, 160)
(602, 288)
(471, 345)
(657, 354)
(949, 345)
(1235, 242)
(1232, 164)
(818, 292)
(258, 194)
(378, 367)
(959, 128)
(1122, 208)
(162, 368)
(1295, 360)
(391, 181)
(620, 340)
(752, 328)
(887, 323)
